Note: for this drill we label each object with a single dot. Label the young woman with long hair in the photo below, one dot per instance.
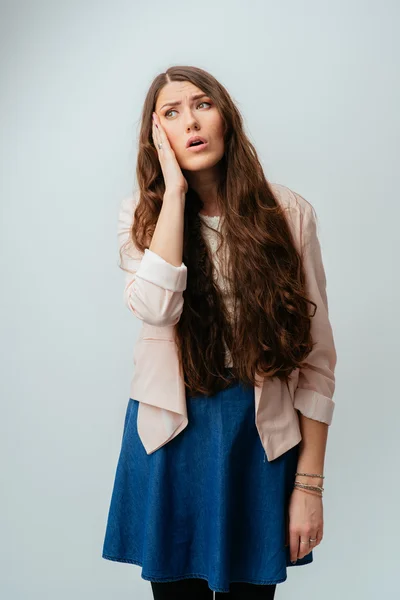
(219, 479)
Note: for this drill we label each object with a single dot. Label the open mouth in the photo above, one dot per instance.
(197, 146)
(195, 140)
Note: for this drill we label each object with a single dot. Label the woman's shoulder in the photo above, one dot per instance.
(301, 214)
(289, 198)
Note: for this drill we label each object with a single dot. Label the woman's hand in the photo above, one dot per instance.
(173, 176)
(305, 521)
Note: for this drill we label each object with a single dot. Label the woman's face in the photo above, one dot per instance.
(189, 117)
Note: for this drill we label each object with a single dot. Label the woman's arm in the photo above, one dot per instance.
(316, 385)
(153, 285)
(313, 400)
(167, 240)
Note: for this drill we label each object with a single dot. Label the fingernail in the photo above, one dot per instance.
(293, 562)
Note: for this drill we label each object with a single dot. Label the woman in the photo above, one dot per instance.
(219, 480)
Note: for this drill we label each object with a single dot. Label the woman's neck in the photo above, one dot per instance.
(210, 212)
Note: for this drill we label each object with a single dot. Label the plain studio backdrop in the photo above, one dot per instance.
(317, 85)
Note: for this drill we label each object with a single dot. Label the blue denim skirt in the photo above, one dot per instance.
(207, 504)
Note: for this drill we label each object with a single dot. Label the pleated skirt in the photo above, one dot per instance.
(208, 504)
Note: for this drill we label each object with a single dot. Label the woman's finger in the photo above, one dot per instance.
(319, 536)
(162, 136)
(294, 545)
(156, 136)
(305, 546)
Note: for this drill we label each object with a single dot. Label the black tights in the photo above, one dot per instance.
(197, 589)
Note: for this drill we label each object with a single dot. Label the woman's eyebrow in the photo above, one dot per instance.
(177, 102)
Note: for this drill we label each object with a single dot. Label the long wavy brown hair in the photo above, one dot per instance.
(269, 331)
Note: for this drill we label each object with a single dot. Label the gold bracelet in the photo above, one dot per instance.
(306, 486)
(318, 493)
(311, 475)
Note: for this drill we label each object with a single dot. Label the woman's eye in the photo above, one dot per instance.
(172, 110)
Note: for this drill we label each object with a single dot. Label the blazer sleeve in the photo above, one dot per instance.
(316, 384)
(153, 289)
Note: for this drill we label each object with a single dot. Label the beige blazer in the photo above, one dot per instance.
(153, 293)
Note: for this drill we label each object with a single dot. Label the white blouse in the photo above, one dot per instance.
(212, 240)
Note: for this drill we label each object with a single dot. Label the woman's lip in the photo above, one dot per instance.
(198, 148)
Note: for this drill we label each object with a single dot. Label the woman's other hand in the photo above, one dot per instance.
(305, 521)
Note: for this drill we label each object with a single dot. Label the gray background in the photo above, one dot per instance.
(316, 84)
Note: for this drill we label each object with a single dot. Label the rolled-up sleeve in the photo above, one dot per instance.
(316, 384)
(153, 289)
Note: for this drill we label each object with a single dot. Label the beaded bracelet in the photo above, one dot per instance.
(306, 486)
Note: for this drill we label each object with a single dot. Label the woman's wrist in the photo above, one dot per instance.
(310, 481)
(174, 195)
